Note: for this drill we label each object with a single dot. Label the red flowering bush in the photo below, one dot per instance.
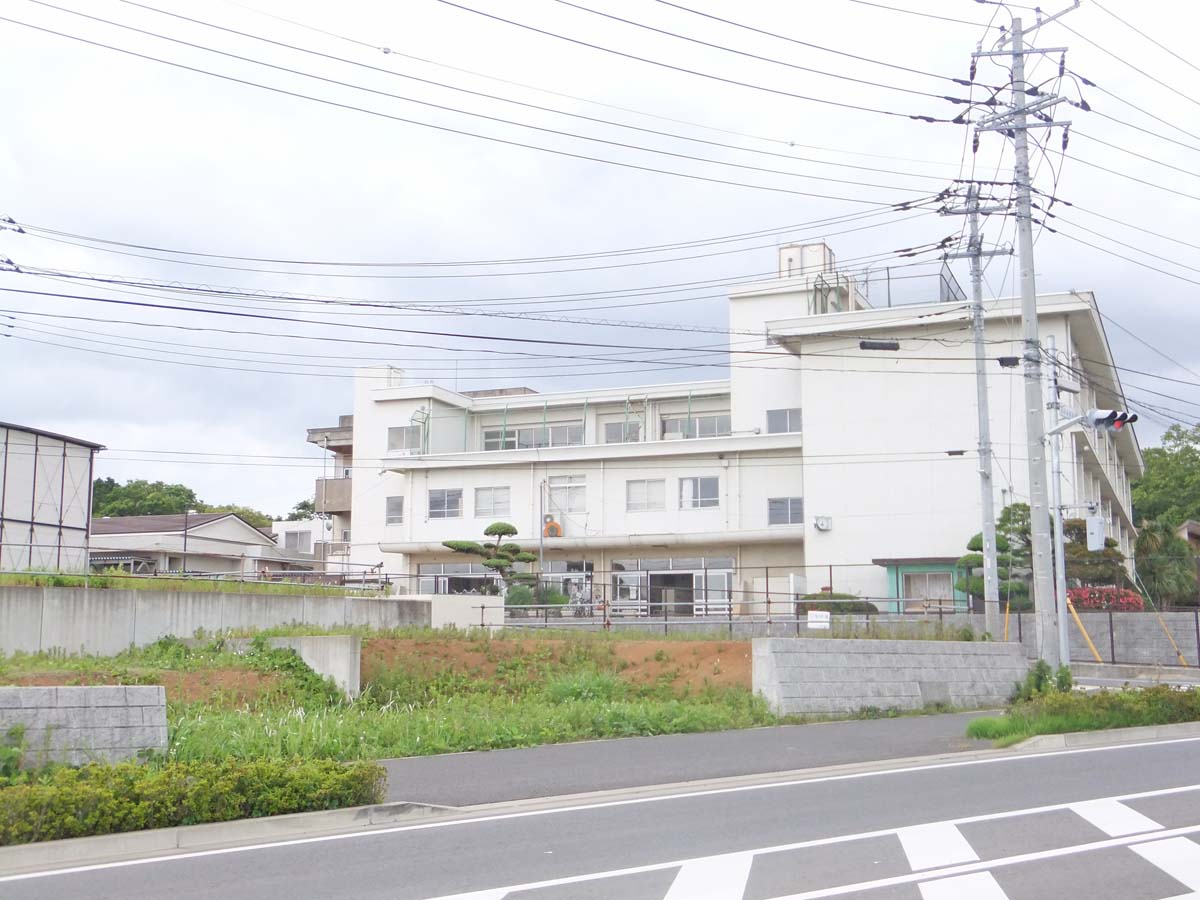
(1119, 599)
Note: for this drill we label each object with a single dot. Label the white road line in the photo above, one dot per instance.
(979, 886)
(715, 878)
(1113, 817)
(609, 804)
(1178, 857)
(968, 868)
(939, 844)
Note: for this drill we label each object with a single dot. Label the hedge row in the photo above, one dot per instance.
(99, 799)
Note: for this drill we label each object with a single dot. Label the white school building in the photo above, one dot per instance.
(820, 463)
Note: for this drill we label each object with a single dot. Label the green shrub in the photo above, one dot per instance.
(839, 604)
(598, 686)
(1056, 712)
(554, 598)
(100, 799)
(519, 595)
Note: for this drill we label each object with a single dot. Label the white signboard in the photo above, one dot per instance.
(1096, 532)
(819, 620)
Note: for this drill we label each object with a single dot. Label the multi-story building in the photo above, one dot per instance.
(820, 463)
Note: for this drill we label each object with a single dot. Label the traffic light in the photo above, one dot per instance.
(1110, 419)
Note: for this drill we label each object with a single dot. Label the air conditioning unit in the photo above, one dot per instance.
(823, 523)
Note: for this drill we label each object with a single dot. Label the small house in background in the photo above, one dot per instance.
(45, 500)
(197, 543)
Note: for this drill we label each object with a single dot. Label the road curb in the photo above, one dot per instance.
(106, 847)
(1074, 739)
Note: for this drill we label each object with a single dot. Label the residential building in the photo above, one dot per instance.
(45, 500)
(311, 541)
(196, 543)
(818, 464)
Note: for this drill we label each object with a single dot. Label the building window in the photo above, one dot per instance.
(529, 437)
(445, 504)
(568, 493)
(699, 493)
(622, 432)
(404, 437)
(782, 421)
(345, 535)
(394, 513)
(645, 494)
(492, 501)
(785, 511)
(678, 428)
(298, 541)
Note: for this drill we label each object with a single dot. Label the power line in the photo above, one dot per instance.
(682, 69)
(1125, 62)
(391, 51)
(485, 117)
(778, 62)
(878, 62)
(1161, 46)
(925, 15)
(443, 128)
(398, 74)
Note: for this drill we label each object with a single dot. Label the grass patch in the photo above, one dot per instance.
(1059, 712)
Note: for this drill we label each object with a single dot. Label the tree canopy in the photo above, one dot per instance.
(138, 497)
(1170, 488)
(1166, 565)
(305, 509)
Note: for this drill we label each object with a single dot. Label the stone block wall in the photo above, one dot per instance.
(75, 725)
(814, 676)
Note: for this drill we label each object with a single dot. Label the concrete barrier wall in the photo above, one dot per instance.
(104, 622)
(336, 656)
(806, 676)
(76, 725)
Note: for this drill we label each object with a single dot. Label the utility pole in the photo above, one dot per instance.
(1060, 544)
(975, 253)
(1015, 122)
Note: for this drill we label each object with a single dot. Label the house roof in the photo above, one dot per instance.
(51, 434)
(155, 524)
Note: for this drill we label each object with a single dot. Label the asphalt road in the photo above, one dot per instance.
(468, 779)
(1110, 823)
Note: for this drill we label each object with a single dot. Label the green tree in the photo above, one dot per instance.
(1012, 559)
(305, 509)
(498, 555)
(1166, 565)
(253, 516)
(1091, 568)
(138, 497)
(1169, 490)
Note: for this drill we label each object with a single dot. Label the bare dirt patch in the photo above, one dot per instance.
(679, 663)
(222, 687)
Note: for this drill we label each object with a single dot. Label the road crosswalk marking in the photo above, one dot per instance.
(939, 844)
(1178, 857)
(1113, 817)
(715, 878)
(978, 886)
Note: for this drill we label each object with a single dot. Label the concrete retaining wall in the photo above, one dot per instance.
(804, 676)
(76, 725)
(336, 656)
(104, 622)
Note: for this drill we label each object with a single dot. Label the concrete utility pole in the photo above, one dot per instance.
(1015, 122)
(993, 622)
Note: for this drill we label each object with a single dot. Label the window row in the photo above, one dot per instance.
(448, 504)
(568, 494)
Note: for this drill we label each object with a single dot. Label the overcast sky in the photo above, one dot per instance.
(99, 144)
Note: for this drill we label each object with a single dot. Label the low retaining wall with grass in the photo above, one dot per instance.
(812, 676)
(105, 622)
(76, 725)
